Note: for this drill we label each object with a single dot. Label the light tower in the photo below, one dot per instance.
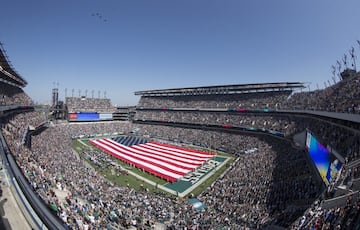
(55, 95)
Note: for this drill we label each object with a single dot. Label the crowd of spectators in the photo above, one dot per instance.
(345, 140)
(251, 100)
(85, 104)
(83, 198)
(15, 126)
(258, 187)
(345, 216)
(342, 97)
(11, 95)
(222, 141)
(72, 189)
(263, 121)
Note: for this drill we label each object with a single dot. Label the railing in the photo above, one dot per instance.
(338, 201)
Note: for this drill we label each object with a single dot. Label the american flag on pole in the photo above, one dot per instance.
(166, 161)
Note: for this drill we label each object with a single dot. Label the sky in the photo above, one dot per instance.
(118, 47)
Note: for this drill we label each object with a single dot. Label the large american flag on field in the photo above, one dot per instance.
(169, 162)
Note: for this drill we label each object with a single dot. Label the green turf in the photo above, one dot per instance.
(219, 158)
(179, 186)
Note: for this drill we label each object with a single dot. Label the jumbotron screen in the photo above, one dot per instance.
(89, 116)
(326, 163)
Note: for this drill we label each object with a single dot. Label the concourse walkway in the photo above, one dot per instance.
(11, 217)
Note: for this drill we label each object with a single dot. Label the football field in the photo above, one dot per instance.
(150, 165)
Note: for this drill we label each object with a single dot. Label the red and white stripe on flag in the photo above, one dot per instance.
(165, 161)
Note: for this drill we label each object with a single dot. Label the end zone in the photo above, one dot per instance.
(192, 180)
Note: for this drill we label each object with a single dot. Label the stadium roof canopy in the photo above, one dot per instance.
(7, 73)
(225, 89)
